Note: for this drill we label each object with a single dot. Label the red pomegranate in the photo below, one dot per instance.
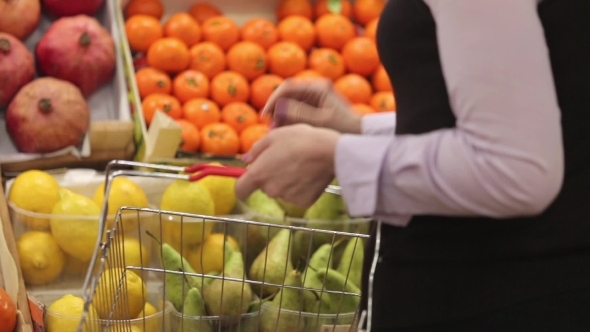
(79, 50)
(17, 67)
(19, 17)
(60, 8)
(46, 115)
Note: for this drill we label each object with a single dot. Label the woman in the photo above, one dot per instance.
(481, 178)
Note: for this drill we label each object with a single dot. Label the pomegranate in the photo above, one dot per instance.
(79, 50)
(17, 67)
(19, 17)
(60, 8)
(46, 115)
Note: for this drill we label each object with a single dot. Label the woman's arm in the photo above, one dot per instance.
(505, 156)
(378, 124)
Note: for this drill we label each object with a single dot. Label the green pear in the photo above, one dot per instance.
(291, 209)
(194, 311)
(327, 213)
(351, 263)
(227, 298)
(275, 320)
(267, 210)
(340, 303)
(315, 301)
(271, 265)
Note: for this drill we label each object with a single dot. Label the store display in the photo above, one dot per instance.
(17, 67)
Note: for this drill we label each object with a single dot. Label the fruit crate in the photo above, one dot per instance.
(110, 134)
(158, 141)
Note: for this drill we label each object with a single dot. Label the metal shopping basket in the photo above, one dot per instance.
(286, 291)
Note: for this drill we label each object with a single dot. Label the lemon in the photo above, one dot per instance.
(64, 315)
(74, 224)
(41, 259)
(222, 190)
(34, 191)
(187, 197)
(208, 256)
(125, 327)
(152, 323)
(123, 192)
(121, 288)
(75, 267)
(133, 252)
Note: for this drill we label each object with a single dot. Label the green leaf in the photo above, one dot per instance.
(335, 6)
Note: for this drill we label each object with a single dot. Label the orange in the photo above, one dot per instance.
(261, 89)
(248, 59)
(183, 27)
(327, 62)
(160, 102)
(219, 139)
(191, 138)
(371, 29)
(294, 7)
(363, 109)
(190, 84)
(202, 11)
(239, 115)
(364, 11)
(142, 31)
(221, 30)
(383, 102)
(361, 56)
(251, 135)
(333, 31)
(308, 74)
(342, 7)
(229, 86)
(201, 112)
(150, 81)
(152, 8)
(286, 59)
(208, 58)
(299, 30)
(380, 80)
(355, 88)
(260, 31)
(169, 55)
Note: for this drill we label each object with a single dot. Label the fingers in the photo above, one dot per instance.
(310, 92)
(290, 111)
(257, 149)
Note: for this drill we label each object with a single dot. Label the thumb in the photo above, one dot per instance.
(290, 111)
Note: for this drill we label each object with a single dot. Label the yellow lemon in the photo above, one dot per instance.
(64, 315)
(153, 321)
(75, 267)
(208, 256)
(222, 190)
(123, 192)
(34, 191)
(121, 288)
(128, 251)
(41, 259)
(74, 224)
(187, 197)
(125, 327)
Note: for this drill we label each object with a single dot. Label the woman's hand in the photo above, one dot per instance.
(312, 102)
(294, 163)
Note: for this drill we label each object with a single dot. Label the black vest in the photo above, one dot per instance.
(443, 268)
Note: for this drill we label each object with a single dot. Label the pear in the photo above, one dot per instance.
(351, 263)
(271, 265)
(316, 301)
(275, 320)
(265, 210)
(323, 257)
(328, 213)
(194, 311)
(340, 303)
(226, 298)
(291, 209)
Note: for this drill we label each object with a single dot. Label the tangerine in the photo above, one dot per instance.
(342, 7)
(355, 88)
(169, 55)
(260, 31)
(202, 11)
(239, 115)
(364, 11)
(362, 109)
(251, 135)
(383, 102)
(201, 112)
(184, 27)
(207, 58)
(153, 8)
(190, 84)
(286, 59)
(229, 86)
(333, 31)
(219, 139)
(299, 30)
(360, 56)
(221, 30)
(327, 62)
(191, 138)
(380, 80)
(163, 103)
(371, 29)
(248, 59)
(294, 7)
(308, 74)
(150, 81)
(142, 31)
(262, 87)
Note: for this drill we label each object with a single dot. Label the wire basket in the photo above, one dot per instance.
(211, 287)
